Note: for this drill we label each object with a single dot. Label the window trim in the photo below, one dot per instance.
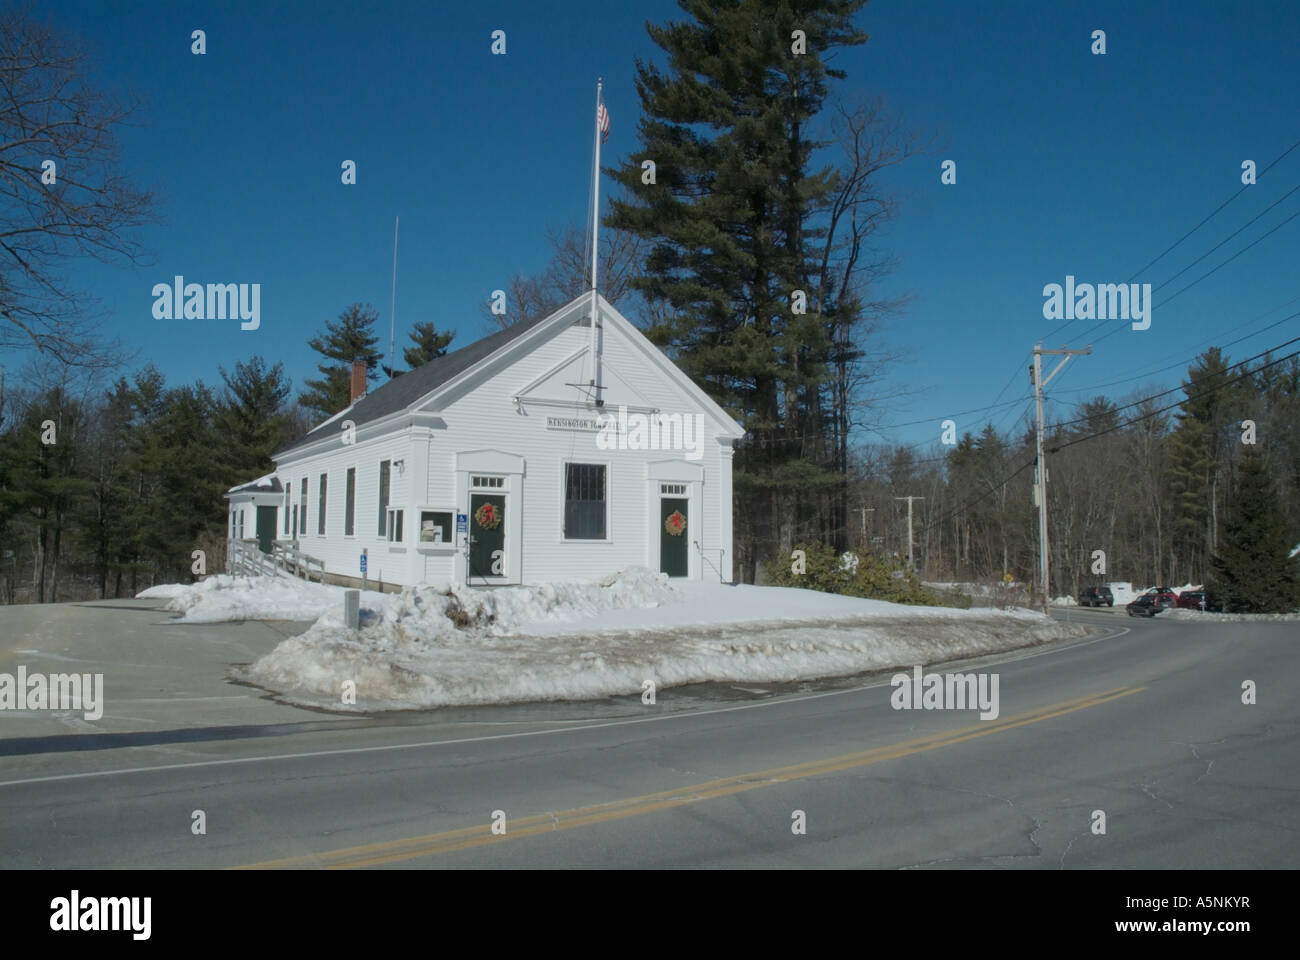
(385, 495)
(564, 499)
(321, 499)
(350, 504)
(395, 520)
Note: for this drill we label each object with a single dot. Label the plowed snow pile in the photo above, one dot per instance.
(578, 640)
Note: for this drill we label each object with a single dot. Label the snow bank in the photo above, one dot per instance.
(1206, 616)
(429, 646)
(223, 598)
(162, 591)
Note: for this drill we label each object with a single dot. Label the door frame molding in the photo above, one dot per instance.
(692, 475)
(511, 467)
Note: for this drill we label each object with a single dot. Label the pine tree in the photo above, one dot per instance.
(430, 344)
(1252, 572)
(252, 419)
(1197, 458)
(349, 338)
(731, 218)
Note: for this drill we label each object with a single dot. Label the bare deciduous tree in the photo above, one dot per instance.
(63, 193)
(568, 274)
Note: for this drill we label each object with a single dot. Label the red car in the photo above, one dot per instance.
(1164, 597)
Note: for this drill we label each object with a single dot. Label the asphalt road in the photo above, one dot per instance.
(1144, 722)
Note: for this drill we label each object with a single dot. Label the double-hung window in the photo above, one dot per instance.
(320, 507)
(385, 473)
(350, 504)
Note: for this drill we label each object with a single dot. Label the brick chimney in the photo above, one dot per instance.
(358, 380)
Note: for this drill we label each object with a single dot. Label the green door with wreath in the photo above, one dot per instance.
(487, 532)
(673, 536)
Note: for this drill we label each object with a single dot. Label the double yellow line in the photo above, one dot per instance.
(431, 844)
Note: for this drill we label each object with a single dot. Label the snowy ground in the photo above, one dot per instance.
(431, 646)
(1229, 617)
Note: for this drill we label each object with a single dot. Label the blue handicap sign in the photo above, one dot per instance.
(462, 523)
(363, 563)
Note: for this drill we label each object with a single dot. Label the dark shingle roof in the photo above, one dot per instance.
(400, 392)
(267, 484)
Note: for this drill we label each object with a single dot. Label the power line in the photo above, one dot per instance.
(1006, 478)
(1181, 239)
(1161, 256)
(1213, 213)
(1165, 393)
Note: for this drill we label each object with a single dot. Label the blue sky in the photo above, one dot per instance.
(1067, 163)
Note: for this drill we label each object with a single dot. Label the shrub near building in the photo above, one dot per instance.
(821, 568)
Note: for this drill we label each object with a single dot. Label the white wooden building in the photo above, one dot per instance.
(538, 453)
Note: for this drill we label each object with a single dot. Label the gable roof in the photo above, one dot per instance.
(414, 387)
(402, 392)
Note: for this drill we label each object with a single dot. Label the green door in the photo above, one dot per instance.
(673, 536)
(265, 528)
(487, 535)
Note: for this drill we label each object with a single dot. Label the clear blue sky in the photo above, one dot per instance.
(1067, 163)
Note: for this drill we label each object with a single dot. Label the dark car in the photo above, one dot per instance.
(1198, 600)
(1096, 597)
(1144, 606)
(1164, 597)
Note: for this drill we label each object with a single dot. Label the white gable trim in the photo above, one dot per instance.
(657, 357)
(489, 461)
(384, 426)
(494, 363)
(675, 471)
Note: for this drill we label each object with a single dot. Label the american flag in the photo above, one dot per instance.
(602, 121)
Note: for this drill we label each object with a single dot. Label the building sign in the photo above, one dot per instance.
(589, 424)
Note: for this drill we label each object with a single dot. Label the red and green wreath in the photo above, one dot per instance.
(676, 523)
(488, 516)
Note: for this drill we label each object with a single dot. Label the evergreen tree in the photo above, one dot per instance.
(1252, 572)
(351, 337)
(732, 222)
(252, 419)
(1198, 451)
(429, 344)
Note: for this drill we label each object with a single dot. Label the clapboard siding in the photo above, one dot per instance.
(478, 413)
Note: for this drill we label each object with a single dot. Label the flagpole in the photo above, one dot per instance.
(392, 308)
(595, 222)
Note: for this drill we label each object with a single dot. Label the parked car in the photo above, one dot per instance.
(1144, 606)
(1198, 600)
(1164, 597)
(1096, 597)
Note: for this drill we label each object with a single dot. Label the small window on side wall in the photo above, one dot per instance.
(435, 526)
(395, 526)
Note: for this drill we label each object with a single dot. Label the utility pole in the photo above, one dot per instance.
(865, 539)
(910, 565)
(1040, 480)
